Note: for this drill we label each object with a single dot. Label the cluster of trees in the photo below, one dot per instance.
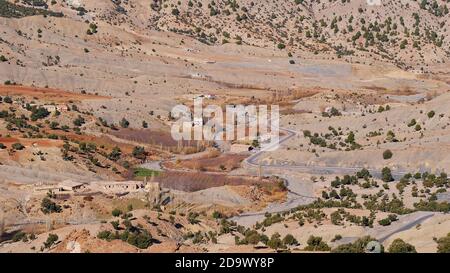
(48, 206)
(316, 244)
(133, 235)
(423, 205)
(340, 215)
(22, 236)
(51, 240)
(400, 246)
(271, 219)
(387, 221)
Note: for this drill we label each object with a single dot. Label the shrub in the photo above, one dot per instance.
(18, 146)
(175, 12)
(48, 206)
(444, 244)
(7, 99)
(275, 242)
(281, 46)
(139, 152)
(19, 236)
(387, 154)
(39, 113)
(289, 240)
(51, 239)
(386, 175)
(316, 244)
(79, 121)
(124, 123)
(116, 212)
(399, 246)
(384, 222)
(358, 246)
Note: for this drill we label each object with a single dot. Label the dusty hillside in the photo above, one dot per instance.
(410, 34)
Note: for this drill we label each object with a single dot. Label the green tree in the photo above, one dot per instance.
(51, 240)
(18, 146)
(387, 154)
(444, 244)
(139, 152)
(289, 240)
(316, 244)
(115, 154)
(386, 175)
(116, 212)
(275, 241)
(399, 246)
(48, 206)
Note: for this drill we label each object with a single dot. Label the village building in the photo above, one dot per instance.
(71, 186)
(118, 187)
(67, 186)
(49, 107)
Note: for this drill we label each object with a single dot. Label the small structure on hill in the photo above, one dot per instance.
(118, 187)
(70, 186)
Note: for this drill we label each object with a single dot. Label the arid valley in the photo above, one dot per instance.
(88, 162)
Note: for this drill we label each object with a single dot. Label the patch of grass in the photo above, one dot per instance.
(143, 172)
(123, 204)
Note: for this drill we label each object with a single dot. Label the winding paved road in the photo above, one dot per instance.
(296, 191)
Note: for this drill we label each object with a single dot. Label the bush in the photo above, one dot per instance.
(444, 244)
(316, 244)
(275, 242)
(399, 246)
(104, 235)
(39, 113)
(19, 236)
(386, 175)
(139, 152)
(7, 99)
(51, 239)
(115, 224)
(115, 154)
(217, 215)
(281, 46)
(387, 154)
(289, 240)
(359, 246)
(79, 121)
(142, 240)
(48, 206)
(18, 146)
(384, 222)
(116, 212)
(124, 123)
